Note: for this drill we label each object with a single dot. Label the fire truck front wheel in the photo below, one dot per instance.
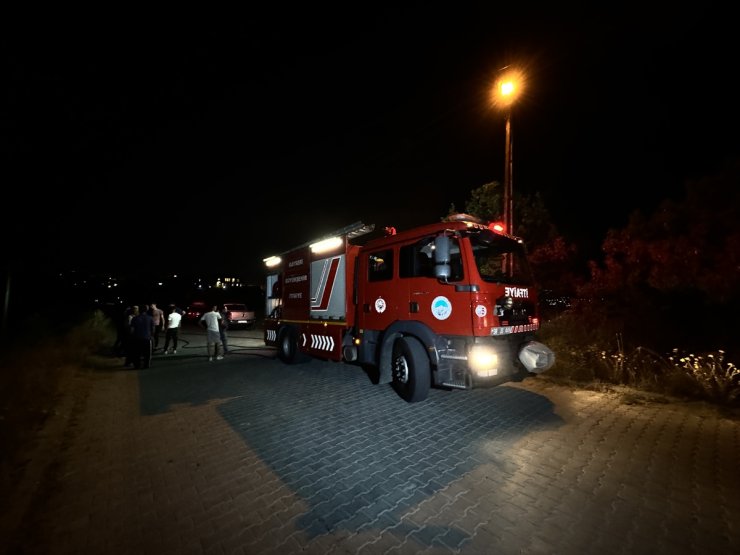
(411, 372)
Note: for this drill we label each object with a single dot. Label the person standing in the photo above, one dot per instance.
(158, 317)
(129, 345)
(122, 332)
(210, 321)
(173, 330)
(223, 325)
(142, 331)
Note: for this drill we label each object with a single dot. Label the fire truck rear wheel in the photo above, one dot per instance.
(288, 346)
(411, 372)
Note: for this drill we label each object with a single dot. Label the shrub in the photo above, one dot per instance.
(587, 350)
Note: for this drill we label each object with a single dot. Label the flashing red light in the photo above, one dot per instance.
(389, 230)
(498, 227)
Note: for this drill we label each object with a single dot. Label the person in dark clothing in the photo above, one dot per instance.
(223, 326)
(142, 331)
(122, 331)
(129, 344)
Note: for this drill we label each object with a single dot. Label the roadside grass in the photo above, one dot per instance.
(32, 365)
(589, 355)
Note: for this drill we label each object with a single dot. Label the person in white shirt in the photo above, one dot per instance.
(210, 321)
(173, 330)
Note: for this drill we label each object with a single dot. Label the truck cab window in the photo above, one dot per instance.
(456, 265)
(380, 265)
(417, 260)
(502, 260)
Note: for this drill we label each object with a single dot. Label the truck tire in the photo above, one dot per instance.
(288, 345)
(411, 371)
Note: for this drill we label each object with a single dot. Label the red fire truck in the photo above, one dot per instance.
(446, 305)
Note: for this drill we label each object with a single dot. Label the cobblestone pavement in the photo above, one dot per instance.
(247, 455)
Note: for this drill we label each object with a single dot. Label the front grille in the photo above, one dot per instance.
(520, 313)
(457, 384)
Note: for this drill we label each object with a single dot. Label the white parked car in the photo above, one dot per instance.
(238, 315)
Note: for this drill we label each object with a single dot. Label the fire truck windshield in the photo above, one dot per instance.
(501, 259)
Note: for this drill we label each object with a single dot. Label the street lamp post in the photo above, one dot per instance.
(507, 89)
(508, 184)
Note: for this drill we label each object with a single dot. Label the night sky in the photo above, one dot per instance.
(208, 142)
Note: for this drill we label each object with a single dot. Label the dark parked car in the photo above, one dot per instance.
(238, 315)
(195, 310)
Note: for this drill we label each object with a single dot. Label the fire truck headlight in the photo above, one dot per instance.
(483, 360)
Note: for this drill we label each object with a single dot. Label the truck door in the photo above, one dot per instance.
(443, 306)
(379, 298)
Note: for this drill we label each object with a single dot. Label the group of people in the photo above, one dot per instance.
(140, 330)
(141, 327)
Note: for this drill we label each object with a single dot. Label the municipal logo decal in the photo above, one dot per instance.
(380, 304)
(480, 311)
(441, 308)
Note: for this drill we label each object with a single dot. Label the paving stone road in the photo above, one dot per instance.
(250, 456)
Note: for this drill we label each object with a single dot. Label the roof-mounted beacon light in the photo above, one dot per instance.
(498, 227)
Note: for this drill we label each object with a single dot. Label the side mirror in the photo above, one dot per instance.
(442, 268)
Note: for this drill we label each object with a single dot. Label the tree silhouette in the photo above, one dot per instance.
(676, 272)
(552, 257)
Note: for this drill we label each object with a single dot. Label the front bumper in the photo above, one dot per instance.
(492, 361)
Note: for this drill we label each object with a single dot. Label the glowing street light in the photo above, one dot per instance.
(507, 89)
